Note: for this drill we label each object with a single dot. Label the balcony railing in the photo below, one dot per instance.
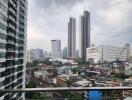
(107, 92)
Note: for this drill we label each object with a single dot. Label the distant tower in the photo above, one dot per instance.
(64, 52)
(72, 38)
(85, 34)
(56, 48)
(128, 51)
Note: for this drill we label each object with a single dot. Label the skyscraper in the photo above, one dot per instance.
(72, 38)
(56, 48)
(13, 28)
(85, 34)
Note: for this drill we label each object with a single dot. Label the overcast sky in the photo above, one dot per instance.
(111, 21)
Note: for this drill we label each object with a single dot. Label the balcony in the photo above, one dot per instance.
(11, 18)
(12, 3)
(10, 42)
(11, 26)
(11, 34)
(12, 11)
(10, 50)
(10, 58)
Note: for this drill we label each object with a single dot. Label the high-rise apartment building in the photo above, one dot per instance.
(72, 38)
(85, 34)
(13, 27)
(56, 48)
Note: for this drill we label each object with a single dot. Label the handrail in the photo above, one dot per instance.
(49, 89)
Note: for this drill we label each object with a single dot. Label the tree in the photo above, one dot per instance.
(31, 84)
(74, 70)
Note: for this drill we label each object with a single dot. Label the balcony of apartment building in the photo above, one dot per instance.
(19, 68)
(12, 21)
(21, 43)
(20, 51)
(19, 62)
(12, 12)
(13, 4)
(9, 79)
(10, 55)
(21, 24)
(10, 64)
(9, 71)
(21, 17)
(10, 40)
(10, 49)
(20, 56)
(12, 25)
(11, 34)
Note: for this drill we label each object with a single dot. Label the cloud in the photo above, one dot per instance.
(111, 21)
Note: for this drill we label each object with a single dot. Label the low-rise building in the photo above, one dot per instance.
(82, 83)
(105, 53)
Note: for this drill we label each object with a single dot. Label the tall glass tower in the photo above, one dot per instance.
(72, 38)
(85, 34)
(13, 29)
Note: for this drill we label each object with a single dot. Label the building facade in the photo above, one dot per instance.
(13, 28)
(64, 52)
(30, 56)
(56, 48)
(85, 34)
(35, 54)
(107, 53)
(72, 38)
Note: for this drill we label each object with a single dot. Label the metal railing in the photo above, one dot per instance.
(50, 89)
(106, 92)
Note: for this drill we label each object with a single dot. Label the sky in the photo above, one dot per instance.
(111, 21)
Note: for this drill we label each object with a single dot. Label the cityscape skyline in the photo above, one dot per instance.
(72, 52)
(103, 23)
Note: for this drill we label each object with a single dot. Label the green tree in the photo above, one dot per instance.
(74, 70)
(31, 84)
